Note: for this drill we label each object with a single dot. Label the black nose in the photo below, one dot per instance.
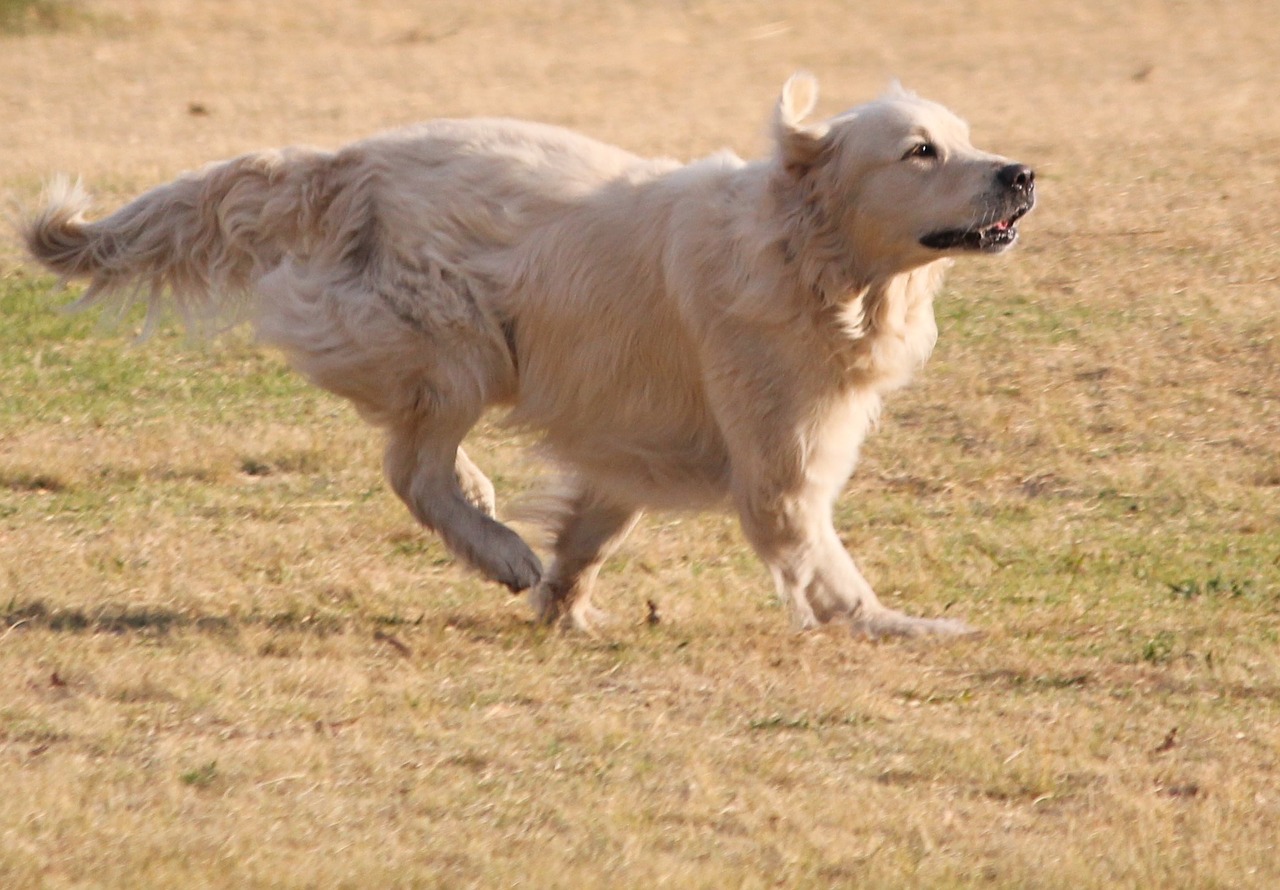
(1018, 177)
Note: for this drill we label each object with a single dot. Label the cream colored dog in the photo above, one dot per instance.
(681, 335)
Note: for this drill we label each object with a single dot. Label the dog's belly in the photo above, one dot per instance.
(673, 472)
(634, 423)
(608, 371)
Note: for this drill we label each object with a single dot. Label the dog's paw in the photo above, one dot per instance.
(547, 601)
(586, 618)
(890, 623)
(553, 604)
(521, 577)
(513, 564)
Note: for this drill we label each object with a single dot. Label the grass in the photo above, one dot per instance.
(27, 16)
(233, 660)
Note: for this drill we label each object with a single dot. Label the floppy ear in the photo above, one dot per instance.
(799, 145)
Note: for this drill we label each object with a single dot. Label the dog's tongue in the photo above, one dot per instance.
(1002, 225)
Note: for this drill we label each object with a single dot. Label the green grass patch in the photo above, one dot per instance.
(28, 16)
(56, 363)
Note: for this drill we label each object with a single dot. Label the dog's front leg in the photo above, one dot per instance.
(814, 574)
(792, 440)
(791, 531)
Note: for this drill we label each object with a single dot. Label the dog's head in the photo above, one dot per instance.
(897, 181)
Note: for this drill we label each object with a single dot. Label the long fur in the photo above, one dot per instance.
(680, 335)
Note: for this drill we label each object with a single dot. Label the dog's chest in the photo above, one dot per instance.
(880, 338)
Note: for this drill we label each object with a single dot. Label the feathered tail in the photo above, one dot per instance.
(199, 242)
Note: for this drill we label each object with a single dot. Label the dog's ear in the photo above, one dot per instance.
(895, 90)
(800, 145)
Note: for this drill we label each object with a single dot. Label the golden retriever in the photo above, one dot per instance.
(681, 336)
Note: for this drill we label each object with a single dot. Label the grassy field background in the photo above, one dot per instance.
(231, 659)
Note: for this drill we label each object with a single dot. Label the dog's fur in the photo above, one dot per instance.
(680, 335)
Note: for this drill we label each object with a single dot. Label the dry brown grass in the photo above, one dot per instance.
(231, 660)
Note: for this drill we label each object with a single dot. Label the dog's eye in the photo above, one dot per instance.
(925, 150)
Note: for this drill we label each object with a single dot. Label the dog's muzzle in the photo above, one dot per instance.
(1013, 198)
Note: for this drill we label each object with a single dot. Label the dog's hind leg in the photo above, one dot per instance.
(445, 491)
(413, 351)
(475, 485)
(590, 528)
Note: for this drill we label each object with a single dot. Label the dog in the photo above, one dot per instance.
(681, 336)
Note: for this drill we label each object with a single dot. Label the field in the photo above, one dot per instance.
(231, 659)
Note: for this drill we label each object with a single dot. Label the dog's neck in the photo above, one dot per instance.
(885, 330)
(818, 247)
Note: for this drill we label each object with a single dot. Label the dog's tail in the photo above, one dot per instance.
(203, 239)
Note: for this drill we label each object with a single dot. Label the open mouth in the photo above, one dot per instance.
(988, 239)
